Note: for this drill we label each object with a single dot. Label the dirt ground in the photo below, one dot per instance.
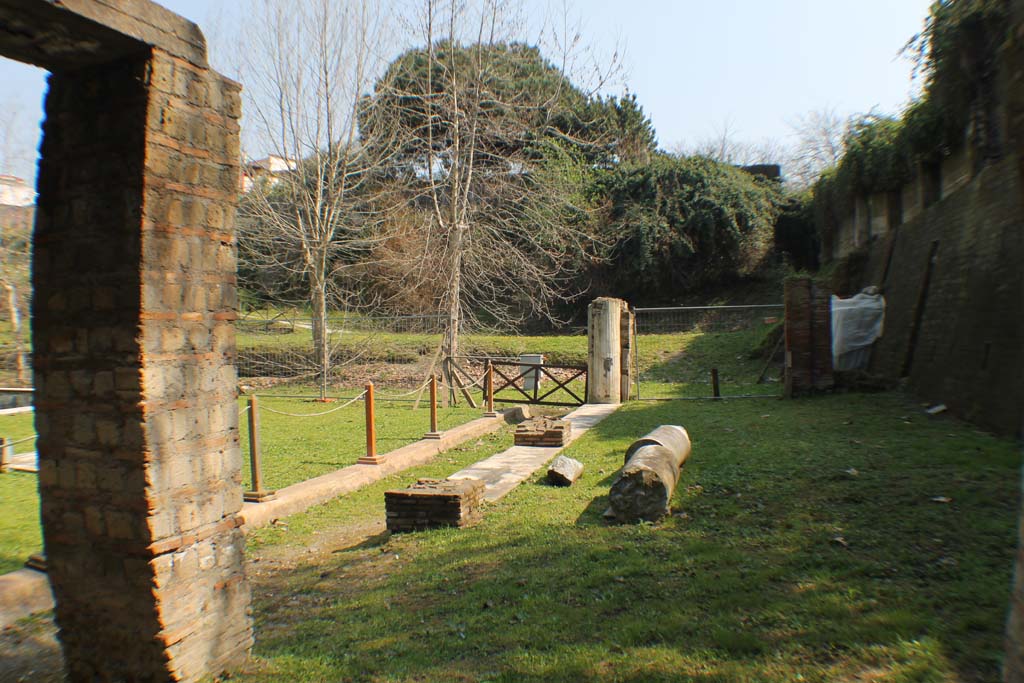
(31, 652)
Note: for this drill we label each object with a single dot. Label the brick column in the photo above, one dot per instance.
(1012, 62)
(134, 277)
(808, 337)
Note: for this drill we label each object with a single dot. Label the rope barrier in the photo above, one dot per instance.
(326, 412)
(406, 394)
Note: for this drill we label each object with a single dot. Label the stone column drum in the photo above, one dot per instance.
(604, 359)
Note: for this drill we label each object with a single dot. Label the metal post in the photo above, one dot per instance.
(714, 383)
(433, 433)
(371, 431)
(490, 390)
(257, 494)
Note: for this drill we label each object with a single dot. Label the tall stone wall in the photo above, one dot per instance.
(133, 356)
(952, 278)
(1013, 57)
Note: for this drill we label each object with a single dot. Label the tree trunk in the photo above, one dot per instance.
(454, 320)
(321, 335)
(14, 316)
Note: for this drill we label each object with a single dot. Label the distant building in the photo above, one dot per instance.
(271, 167)
(16, 192)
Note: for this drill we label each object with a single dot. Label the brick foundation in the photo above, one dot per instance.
(543, 431)
(433, 503)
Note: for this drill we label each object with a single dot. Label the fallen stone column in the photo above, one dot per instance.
(644, 487)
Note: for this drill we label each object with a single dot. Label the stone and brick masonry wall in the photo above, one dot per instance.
(1013, 57)
(956, 332)
(133, 343)
(808, 337)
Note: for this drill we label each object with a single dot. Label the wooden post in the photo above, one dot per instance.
(490, 390)
(257, 494)
(714, 383)
(371, 430)
(433, 433)
(6, 454)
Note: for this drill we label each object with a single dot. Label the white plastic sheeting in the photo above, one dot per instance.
(856, 323)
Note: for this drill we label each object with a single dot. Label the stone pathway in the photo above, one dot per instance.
(503, 472)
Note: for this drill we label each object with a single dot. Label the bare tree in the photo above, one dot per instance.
(15, 237)
(818, 145)
(727, 147)
(309, 65)
(491, 142)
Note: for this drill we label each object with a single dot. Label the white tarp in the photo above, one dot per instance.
(856, 323)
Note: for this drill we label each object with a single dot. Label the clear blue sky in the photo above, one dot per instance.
(696, 66)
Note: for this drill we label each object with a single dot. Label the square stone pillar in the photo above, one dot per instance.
(133, 345)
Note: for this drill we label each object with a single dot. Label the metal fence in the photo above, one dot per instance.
(708, 351)
(280, 346)
(706, 318)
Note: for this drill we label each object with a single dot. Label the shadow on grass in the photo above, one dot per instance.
(679, 365)
(812, 549)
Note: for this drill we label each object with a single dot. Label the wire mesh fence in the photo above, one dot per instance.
(280, 346)
(704, 351)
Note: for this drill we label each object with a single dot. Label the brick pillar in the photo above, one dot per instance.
(808, 337)
(1012, 62)
(134, 277)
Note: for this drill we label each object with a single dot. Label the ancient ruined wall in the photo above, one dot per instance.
(188, 375)
(952, 278)
(133, 357)
(1013, 57)
(808, 337)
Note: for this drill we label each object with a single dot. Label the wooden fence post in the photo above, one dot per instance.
(490, 390)
(371, 430)
(6, 454)
(433, 433)
(257, 494)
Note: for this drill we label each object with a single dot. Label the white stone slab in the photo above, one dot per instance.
(504, 471)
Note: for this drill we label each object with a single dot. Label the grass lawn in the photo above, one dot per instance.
(839, 538)
(299, 448)
(294, 449)
(17, 427)
(20, 533)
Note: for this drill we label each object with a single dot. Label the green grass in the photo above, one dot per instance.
(806, 547)
(679, 364)
(17, 427)
(294, 449)
(299, 448)
(20, 534)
